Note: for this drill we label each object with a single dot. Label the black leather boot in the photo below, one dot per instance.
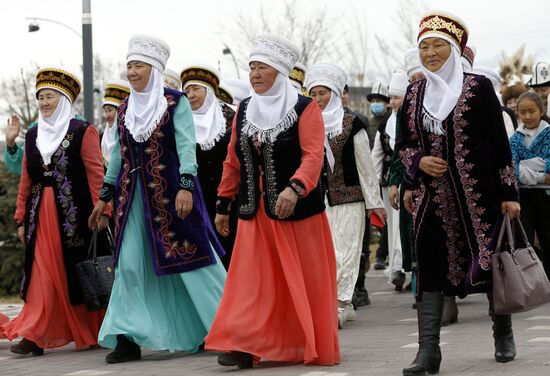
(505, 347)
(236, 358)
(450, 311)
(125, 351)
(428, 357)
(26, 346)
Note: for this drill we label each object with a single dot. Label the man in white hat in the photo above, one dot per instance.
(540, 82)
(382, 151)
(379, 101)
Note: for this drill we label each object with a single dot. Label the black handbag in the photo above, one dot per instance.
(96, 274)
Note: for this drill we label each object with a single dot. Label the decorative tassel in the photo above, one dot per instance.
(207, 145)
(269, 135)
(432, 124)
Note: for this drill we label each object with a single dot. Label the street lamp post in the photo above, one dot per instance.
(33, 26)
(87, 61)
(87, 54)
(227, 51)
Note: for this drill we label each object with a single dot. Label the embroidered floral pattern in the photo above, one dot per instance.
(124, 195)
(248, 206)
(508, 177)
(480, 228)
(450, 27)
(33, 212)
(158, 186)
(271, 176)
(65, 195)
(407, 155)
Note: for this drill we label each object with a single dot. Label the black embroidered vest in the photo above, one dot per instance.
(342, 183)
(388, 152)
(210, 165)
(276, 162)
(66, 174)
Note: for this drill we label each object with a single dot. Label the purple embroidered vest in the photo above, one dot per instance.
(67, 176)
(176, 245)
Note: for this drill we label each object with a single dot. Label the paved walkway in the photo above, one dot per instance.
(381, 341)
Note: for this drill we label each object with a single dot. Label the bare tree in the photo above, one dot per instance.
(18, 94)
(356, 48)
(389, 53)
(308, 30)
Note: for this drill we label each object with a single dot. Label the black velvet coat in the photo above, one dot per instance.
(456, 216)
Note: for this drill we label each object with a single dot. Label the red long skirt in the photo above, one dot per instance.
(48, 318)
(279, 301)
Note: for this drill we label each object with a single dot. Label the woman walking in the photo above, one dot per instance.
(279, 301)
(168, 276)
(60, 183)
(459, 180)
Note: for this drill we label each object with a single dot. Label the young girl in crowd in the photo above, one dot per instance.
(531, 151)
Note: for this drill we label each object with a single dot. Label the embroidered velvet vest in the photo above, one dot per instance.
(276, 162)
(342, 182)
(66, 174)
(176, 245)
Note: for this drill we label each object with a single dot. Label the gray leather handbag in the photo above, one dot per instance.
(519, 280)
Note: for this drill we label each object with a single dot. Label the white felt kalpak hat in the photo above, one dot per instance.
(412, 62)
(541, 75)
(329, 75)
(398, 84)
(149, 49)
(275, 51)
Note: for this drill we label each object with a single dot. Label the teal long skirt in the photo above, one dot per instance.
(172, 312)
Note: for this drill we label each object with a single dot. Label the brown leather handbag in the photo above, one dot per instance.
(519, 280)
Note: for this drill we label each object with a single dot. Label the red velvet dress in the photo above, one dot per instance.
(279, 301)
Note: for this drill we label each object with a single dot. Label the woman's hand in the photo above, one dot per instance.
(408, 201)
(394, 197)
(286, 202)
(21, 234)
(184, 203)
(103, 223)
(510, 207)
(12, 131)
(433, 166)
(222, 224)
(95, 217)
(380, 213)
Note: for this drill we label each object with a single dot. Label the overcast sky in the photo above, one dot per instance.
(196, 30)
